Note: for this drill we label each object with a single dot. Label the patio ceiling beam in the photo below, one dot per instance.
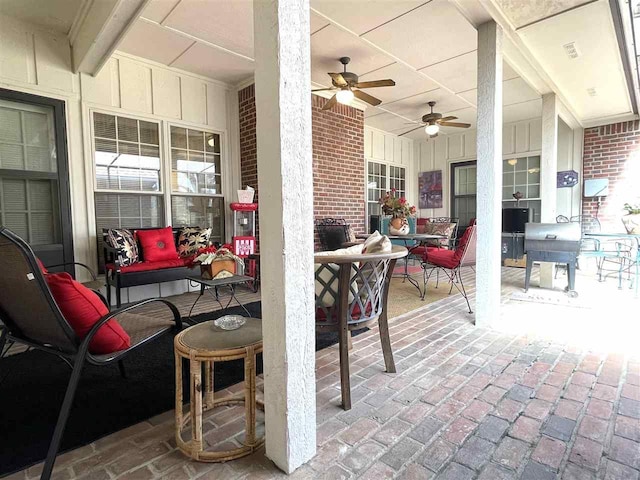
(489, 181)
(285, 183)
(548, 174)
(98, 29)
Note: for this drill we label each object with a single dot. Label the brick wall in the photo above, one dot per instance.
(338, 158)
(613, 152)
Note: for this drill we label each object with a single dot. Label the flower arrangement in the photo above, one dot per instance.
(632, 209)
(209, 254)
(397, 207)
(206, 255)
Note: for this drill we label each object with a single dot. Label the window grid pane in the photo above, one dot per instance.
(195, 162)
(116, 210)
(199, 211)
(380, 179)
(127, 154)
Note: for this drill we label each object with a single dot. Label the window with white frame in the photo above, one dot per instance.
(129, 169)
(196, 180)
(128, 186)
(381, 178)
(522, 175)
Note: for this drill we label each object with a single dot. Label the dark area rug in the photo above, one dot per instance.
(33, 384)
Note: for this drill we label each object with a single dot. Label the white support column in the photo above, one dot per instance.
(489, 181)
(285, 182)
(548, 171)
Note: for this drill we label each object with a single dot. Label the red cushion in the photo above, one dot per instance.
(43, 269)
(157, 244)
(462, 245)
(423, 251)
(83, 308)
(147, 266)
(443, 258)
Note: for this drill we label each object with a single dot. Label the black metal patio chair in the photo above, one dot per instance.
(31, 317)
(332, 232)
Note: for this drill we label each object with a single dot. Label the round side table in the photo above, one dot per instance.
(204, 344)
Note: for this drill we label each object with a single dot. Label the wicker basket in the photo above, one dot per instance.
(210, 271)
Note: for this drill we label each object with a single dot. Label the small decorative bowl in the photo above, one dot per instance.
(230, 322)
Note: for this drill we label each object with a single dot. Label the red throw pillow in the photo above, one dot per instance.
(157, 244)
(83, 308)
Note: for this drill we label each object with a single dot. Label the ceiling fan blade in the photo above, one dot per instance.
(323, 89)
(412, 130)
(330, 103)
(338, 79)
(365, 97)
(455, 124)
(446, 119)
(376, 83)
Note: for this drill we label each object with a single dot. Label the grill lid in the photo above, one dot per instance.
(552, 237)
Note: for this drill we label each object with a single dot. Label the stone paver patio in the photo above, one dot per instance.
(466, 403)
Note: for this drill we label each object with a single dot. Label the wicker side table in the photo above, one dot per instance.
(202, 345)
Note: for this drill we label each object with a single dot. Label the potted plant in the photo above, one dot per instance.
(399, 209)
(632, 219)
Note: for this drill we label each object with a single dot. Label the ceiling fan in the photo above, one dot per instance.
(348, 87)
(433, 121)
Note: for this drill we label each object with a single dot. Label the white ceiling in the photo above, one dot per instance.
(54, 15)
(598, 65)
(427, 47)
(523, 13)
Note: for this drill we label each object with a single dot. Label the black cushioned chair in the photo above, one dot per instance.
(31, 317)
(333, 233)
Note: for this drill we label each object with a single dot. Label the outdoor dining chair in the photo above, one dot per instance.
(332, 232)
(32, 317)
(451, 263)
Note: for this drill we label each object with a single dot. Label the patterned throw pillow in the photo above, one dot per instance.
(439, 228)
(191, 239)
(122, 240)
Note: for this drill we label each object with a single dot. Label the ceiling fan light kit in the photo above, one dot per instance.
(432, 122)
(432, 129)
(345, 96)
(348, 87)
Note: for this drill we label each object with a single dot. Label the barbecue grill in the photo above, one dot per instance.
(553, 242)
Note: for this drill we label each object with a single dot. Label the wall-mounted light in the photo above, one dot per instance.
(512, 161)
(345, 96)
(432, 129)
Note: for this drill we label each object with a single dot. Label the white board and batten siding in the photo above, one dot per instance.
(384, 147)
(138, 86)
(39, 62)
(519, 138)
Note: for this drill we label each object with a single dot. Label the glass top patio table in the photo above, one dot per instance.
(411, 241)
(624, 236)
(613, 235)
(409, 236)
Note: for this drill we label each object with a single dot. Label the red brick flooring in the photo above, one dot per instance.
(466, 403)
